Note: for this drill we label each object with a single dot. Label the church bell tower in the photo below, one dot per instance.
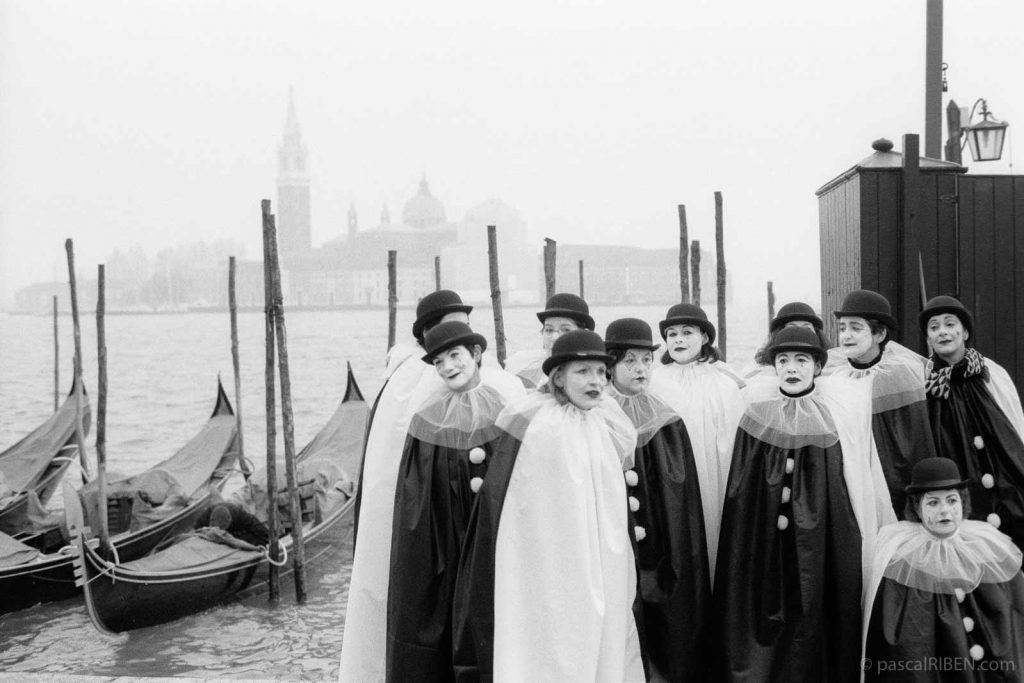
(294, 235)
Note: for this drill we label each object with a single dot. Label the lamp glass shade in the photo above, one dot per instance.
(986, 139)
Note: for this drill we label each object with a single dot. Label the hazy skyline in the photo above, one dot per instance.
(157, 123)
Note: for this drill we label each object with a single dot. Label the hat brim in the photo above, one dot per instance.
(819, 354)
(437, 314)
(467, 340)
(941, 485)
(581, 318)
(704, 325)
(554, 361)
(886, 320)
(961, 313)
(778, 323)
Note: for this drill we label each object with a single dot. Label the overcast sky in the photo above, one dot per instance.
(156, 123)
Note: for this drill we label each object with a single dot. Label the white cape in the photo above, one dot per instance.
(527, 365)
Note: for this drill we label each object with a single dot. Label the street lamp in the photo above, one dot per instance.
(985, 138)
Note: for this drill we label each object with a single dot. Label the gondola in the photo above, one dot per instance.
(183, 483)
(31, 469)
(196, 573)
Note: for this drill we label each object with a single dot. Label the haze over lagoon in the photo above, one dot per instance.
(157, 123)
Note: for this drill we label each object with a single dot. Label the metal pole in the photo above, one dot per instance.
(101, 412)
(69, 247)
(274, 579)
(720, 249)
(933, 81)
(392, 295)
(684, 256)
(499, 324)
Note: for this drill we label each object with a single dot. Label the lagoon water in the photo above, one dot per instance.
(162, 374)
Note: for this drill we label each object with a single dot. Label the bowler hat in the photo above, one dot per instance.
(796, 310)
(863, 303)
(570, 306)
(797, 339)
(435, 306)
(931, 474)
(576, 345)
(945, 304)
(629, 333)
(442, 337)
(688, 314)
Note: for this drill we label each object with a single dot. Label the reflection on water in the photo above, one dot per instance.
(162, 372)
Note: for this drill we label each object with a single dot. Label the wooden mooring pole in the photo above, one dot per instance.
(695, 270)
(291, 475)
(56, 359)
(499, 323)
(101, 410)
(392, 295)
(582, 296)
(550, 247)
(243, 464)
(437, 273)
(684, 257)
(771, 304)
(720, 252)
(69, 247)
(274, 578)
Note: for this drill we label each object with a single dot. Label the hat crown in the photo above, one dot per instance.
(945, 304)
(935, 473)
(865, 301)
(626, 331)
(797, 335)
(442, 298)
(796, 310)
(566, 301)
(686, 311)
(449, 334)
(578, 342)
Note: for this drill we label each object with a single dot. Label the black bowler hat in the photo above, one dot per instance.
(797, 339)
(629, 333)
(932, 474)
(567, 306)
(435, 306)
(576, 345)
(442, 337)
(797, 310)
(688, 314)
(863, 303)
(945, 304)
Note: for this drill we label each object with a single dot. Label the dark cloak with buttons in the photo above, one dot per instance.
(936, 599)
(445, 458)
(971, 410)
(673, 610)
(788, 585)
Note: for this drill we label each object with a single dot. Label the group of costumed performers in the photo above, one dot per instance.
(976, 417)
(563, 313)
(798, 524)
(946, 594)
(896, 376)
(591, 514)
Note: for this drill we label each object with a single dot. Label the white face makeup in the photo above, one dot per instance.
(457, 368)
(796, 371)
(684, 342)
(857, 340)
(583, 382)
(631, 374)
(555, 327)
(947, 337)
(941, 512)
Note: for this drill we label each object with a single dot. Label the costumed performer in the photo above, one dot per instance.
(674, 585)
(443, 465)
(407, 383)
(798, 526)
(563, 313)
(793, 314)
(547, 579)
(899, 412)
(946, 594)
(976, 417)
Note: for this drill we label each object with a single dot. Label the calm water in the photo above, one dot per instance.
(162, 373)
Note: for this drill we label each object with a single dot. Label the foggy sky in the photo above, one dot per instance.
(157, 123)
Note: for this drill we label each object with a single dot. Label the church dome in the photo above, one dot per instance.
(424, 210)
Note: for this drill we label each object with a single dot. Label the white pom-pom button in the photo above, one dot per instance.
(786, 494)
(968, 624)
(994, 520)
(634, 504)
(988, 481)
(960, 595)
(641, 533)
(979, 442)
(977, 652)
(631, 478)
(475, 483)
(789, 465)
(783, 522)
(477, 455)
